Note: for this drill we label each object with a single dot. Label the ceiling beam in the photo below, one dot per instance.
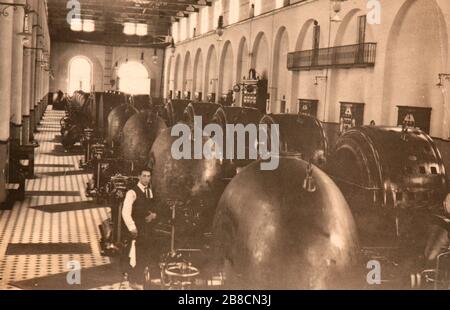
(109, 16)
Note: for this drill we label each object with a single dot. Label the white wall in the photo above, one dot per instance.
(412, 48)
(63, 52)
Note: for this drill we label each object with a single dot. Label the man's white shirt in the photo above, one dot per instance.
(127, 209)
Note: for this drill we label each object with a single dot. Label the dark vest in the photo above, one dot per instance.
(141, 208)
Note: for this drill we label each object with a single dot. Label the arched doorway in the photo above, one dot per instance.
(417, 51)
(241, 66)
(187, 73)
(260, 59)
(198, 72)
(211, 72)
(280, 73)
(226, 70)
(169, 84)
(134, 78)
(351, 85)
(177, 77)
(80, 75)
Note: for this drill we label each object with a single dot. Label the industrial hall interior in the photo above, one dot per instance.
(224, 144)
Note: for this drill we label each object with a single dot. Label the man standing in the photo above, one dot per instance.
(139, 216)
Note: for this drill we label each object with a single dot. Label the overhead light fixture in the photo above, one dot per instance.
(220, 29)
(76, 24)
(129, 29)
(172, 46)
(337, 7)
(88, 25)
(320, 77)
(141, 30)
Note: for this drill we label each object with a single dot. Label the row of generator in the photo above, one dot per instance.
(333, 207)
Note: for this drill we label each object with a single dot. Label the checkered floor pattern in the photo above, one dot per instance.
(59, 180)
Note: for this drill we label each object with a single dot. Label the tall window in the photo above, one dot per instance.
(280, 3)
(316, 42)
(134, 78)
(204, 19)
(80, 75)
(217, 12)
(258, 7)
(233, 11)
(193, 30)
(183, 27)
(362, 21)
(175, 35)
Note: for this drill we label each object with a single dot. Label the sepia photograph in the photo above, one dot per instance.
(225, 146)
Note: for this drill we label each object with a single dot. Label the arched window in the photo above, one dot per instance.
(80, 75)
(134, 78)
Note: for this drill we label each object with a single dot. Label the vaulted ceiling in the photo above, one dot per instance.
(109, 16)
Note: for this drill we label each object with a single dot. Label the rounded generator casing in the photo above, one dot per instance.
(392, 178)
(288, 228)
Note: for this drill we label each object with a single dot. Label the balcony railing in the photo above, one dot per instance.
(347, 56)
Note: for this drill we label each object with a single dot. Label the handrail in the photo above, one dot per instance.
(345, 56)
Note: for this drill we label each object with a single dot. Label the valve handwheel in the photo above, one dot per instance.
(182, 270)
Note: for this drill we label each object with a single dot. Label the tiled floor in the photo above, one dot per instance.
(58, 181)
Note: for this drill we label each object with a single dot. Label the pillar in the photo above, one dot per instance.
(38, 98)
(6, 30)
(32, 75)
(39, 65)
(16, 77)
(37, 89)
(26, 89)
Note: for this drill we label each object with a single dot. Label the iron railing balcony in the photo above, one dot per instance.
(346, 56)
